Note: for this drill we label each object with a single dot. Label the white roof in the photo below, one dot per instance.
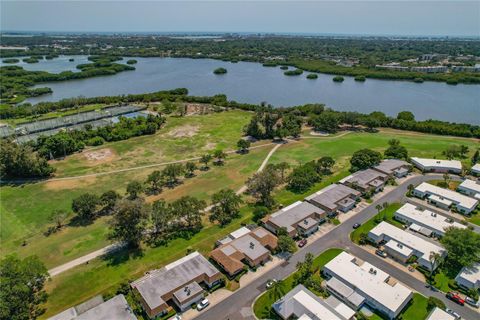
(302, 303)
(437, 163)
(406, 239)
(240, 232)
(476, 168)
(471, 274)
(427, 218)
(454, 196)
(439, 314)
(470, 185)
(374, 285)
(398, 247)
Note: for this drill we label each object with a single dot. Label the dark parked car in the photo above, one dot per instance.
(356, 225)
(381, 253)
(302, 243)
(455, 298)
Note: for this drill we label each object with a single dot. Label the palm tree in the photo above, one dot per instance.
(378, 207)
(435, 259)
(277, 290)
(385, 205)
(446, 179)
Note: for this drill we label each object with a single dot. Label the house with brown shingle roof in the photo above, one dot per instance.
(249, 248)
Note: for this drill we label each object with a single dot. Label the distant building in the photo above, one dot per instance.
(470, 188)
(299, 218)
(178, 282)
(445, 198)
(334, 198)
(301, 303)
(425, 222)
(436, 165)
(476, 169)
(475, 68)
(96, 309)
(430, 69)
(358, 283)
(251, 248)
(469, 278)
(365, 181)
(439, 314)
(394, 168)
(402, 245)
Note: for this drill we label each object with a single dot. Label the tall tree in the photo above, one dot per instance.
(463, 246)
(277, 290)
(219, 156)
(364, 159)
(326, 164)
(262, 184)
(395, 150)
(22, 287)
(476, 157)
(108, 200)
(189, 210)
(172, 172)
(243, 145)
(205, 159)
(58, 217)
(162, 219)
(190, 168)
(286, 244)
(134, 189)
(155, 180)
(226, 206)
(129, 222)
(85, 205)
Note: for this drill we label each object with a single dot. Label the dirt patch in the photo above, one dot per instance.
(210, 146)
(56, 185)
(100, 156)
(184, 131)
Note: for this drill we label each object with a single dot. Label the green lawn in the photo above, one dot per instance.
(263, 305)
(370, 224)
(181, 138)
(25, 209)
(417, 310)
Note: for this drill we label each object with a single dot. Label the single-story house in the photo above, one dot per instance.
(251, 248)
(178, 283)
(469, 278)
(334, 198)
(301, 303)
(424, 221)
(357, 283)
(401, 245)
(470, 188)
(96, 309)
(299, 218)
(445, 198)
(436, 165)
(394, 168)
(365, 181)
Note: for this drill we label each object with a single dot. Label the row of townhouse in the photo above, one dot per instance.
(303, 218)
(352, 284)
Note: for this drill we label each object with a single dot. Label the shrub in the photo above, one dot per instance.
(338, 79)
(360, 78)
(435, 302)
(220, 71)
(95, 141)
(312, 76)
(295, 72)
(132, 61)
(418, 80)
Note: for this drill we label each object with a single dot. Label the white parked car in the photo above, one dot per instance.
(453, 313)
(177, 317)
(203, 304)
(472, 302)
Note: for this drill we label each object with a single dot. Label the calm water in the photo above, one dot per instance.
(253, 83)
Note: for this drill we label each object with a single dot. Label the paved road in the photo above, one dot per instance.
(238, 305)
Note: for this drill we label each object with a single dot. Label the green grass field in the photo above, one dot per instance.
(25, 209)
(387, 213)
(263, 305)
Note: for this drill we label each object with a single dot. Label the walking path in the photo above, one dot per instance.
(84, 259)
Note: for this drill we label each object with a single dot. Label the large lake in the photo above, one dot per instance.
(253, 83)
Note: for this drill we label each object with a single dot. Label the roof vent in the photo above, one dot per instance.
(399, 245)
(252, 245)
(305, 221)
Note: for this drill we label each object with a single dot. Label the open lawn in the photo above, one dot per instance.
(26, 209)
(263, 305)
(417, 309)
(384, 215)
(26, 220)
(181, 138)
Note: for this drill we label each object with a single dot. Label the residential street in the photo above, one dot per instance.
(238, 305)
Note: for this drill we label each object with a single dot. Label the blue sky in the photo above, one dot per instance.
(453, 18)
